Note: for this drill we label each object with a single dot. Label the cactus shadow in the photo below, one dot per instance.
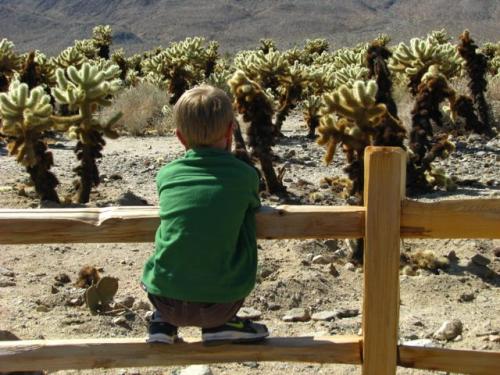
(485, 273)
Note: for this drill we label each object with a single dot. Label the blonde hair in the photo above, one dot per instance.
(203, 115)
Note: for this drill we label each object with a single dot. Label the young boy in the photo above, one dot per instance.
(205, 258)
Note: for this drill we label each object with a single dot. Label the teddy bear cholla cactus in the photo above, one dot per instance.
(359, 114)
(10, 62)
(256, 108)
(86, 89)
(25, 116)
(414, 60)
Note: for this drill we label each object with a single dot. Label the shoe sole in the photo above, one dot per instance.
(161, 338)
(233, 337)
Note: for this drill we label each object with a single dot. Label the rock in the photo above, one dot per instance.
(53, 289)
(5, 283)
(346, 313)
(6, 272)
(449, 330)
(297, 315)
(332, 270)
(42, 308)
(350, 267)
(496, 251)
(141, 305)
(115, 177)
(466, 297)
(130, 199)
(120, 321)
(273, 306)
(324, 315)
(253, 365)
(494, 338)
(127, 301)
(480, 260)
(8, 336)
(75, 301)
(62, 278)
(249, 313)
(196, 370)
(322, 259)
(332, 245)
(423, 343)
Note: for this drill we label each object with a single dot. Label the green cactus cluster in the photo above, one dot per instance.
(10, 62)
(257, 108)
(87, 89)
(26, 115)
(414, 59)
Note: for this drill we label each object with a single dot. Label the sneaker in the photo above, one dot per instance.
(236, 330)
(161, 332)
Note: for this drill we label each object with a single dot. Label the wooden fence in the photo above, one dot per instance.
(386, 218)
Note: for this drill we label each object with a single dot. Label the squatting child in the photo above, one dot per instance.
(205, 258)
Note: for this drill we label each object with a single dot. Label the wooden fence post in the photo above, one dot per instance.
(385, 173)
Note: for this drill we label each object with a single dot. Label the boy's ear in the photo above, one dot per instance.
(181, 138)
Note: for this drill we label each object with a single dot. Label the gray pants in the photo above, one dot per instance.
(198, 314)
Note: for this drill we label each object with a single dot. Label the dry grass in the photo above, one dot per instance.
(141, 107)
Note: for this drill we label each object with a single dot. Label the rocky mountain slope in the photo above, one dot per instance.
(51, 25)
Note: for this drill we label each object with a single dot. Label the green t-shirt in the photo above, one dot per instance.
(205, 246)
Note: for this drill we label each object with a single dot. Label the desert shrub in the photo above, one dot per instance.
(142, 107)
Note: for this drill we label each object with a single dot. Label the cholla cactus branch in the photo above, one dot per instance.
(256, 108)
(87, 89)
(26, 115)
(10, 62)
(476, 65)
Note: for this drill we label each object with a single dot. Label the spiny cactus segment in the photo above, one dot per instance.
(256, 107)
(102, 38)
(476, 66)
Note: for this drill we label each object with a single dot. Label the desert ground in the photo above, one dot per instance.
(36, 302)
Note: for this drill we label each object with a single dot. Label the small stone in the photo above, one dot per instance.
(273, 306)
(449, 330)
(346, 313)
(423, 343)
(127, 301)
(494, 338)
(350, 267)
(332, 245)
(297, 315)
(249, 313)
(452, 255)
(480, 260)
(496, 252)
(332, 270)
(324, 315)
(62, 278)
(6, 272)
(75, 301)
(196, 370)
(115, 177)
(458, 338)
(53, 289)
(42, 308)
(120, 321)
(251, 364)
(6, 283)
(322, 259)
(141, 305)
(466, 297)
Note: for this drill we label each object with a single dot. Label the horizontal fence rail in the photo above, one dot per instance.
(478, 218)
(53, 355)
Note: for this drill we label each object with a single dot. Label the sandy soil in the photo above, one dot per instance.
(33, 306)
